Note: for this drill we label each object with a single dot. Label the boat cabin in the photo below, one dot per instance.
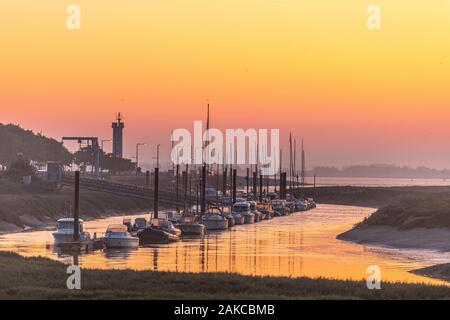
(117, 228)
(67, 224)
(241, 207)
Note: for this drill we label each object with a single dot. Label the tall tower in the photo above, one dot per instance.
(118, 136)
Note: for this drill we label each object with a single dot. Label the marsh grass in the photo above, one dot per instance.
(40, 278)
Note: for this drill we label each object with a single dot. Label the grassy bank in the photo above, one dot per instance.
(38, 278)
(28, 206)
(420, 221)
(425, 211)
(440, 271)
(375, 197)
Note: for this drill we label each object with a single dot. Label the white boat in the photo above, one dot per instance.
(237, 212)
(117, 236)
(64, 232)
(214, 220)
(190, 226)
(280, 207)
(244, 208)
(254, 210)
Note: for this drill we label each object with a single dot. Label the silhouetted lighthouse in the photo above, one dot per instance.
(118, 136)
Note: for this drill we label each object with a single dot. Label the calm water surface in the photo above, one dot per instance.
(302, 244)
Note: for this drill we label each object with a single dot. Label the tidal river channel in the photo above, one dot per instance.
(302, 244)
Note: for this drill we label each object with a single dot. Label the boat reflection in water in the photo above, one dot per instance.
(301, 244)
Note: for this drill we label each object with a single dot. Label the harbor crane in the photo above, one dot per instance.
(95, 150)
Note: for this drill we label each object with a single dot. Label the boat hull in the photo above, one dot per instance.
(238, 219)
(126, 243)
(60, 238)
(153, 236)
(215, 224)
(192, 229)
(249, 218)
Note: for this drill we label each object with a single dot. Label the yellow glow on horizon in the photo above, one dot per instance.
(313, 59)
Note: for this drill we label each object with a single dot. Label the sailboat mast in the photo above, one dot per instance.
(290, 160)
(303, 166)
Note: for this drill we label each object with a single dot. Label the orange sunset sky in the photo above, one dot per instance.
(357, 96)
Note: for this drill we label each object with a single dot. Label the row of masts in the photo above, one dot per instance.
(296, 179)
(228, 187)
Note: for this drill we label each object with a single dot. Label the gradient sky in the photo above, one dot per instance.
(356, 96)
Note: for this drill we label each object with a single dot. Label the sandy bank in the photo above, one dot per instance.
(32, 224)
(420, 238)
(440, 271)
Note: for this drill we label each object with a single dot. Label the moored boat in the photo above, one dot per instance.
(280, 207)
(117, 236)
(64, 231)
(213, 220)
(301, 205)
(152, 235)
(237, 212)
(266, 210)
(254, 210)
(163, 224)
(189, 226)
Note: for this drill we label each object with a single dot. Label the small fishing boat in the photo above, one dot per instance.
(312, 204)
(213, 220)
(254, 210)
(151, 235)
(163, 224)
(190, 226)
(237, 212)
(64, 231)
(301, 205)
(249, 217)
(117, 236)
(279, 207)
(266, 210)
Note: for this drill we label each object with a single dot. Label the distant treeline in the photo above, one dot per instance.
(17, 142)
(381, 171)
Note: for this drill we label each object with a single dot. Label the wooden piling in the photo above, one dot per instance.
(255, 181)
(156, 190)
(76, 207)
(234, 185)
(248, 179)
(203, 190)
(260, 187)
(224, 182)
